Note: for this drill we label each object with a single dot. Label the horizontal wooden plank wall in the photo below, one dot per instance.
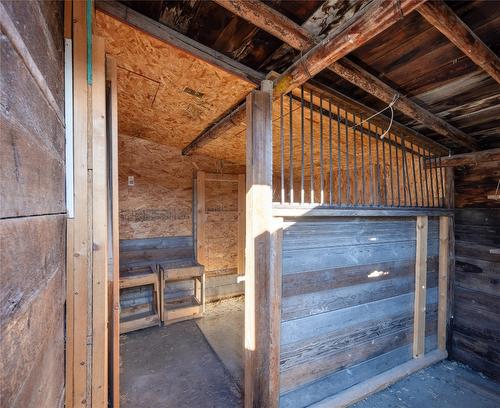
(476, 322)
(348, 302)
(32, 205)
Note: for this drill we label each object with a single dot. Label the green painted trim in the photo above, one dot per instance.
(89, 42)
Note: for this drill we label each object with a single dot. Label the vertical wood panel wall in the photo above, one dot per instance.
(32, 209)
(348, 302)
(476, 322)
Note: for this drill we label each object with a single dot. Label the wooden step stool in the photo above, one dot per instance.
(141, 276)
(189, 307)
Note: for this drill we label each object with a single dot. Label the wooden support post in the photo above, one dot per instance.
(420, 287)
(114, 272)
(200, 218)
(241, 223)
(444, 223)
(450, 203)
(263, 257)
(99, 228)
(78, 316)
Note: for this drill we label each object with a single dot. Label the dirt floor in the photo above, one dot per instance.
(200, 363)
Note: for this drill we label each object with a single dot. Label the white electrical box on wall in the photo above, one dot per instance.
(131, 180)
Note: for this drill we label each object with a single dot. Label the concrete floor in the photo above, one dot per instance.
(222, 326)
(200, 363)
(173, 367)
(447, 384)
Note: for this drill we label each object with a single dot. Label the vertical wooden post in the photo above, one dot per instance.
(443, 281)
(200, 218)
(450, 203)
(99, 228)
(78, 291)
(241, 224)
(114, 273)
(263, 257)
(420, 288)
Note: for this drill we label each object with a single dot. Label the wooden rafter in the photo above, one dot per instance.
(466, 159)
(445, 20)
(268, 19)
(365, 25)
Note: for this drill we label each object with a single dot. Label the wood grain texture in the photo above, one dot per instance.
(81, 235)
(445, 20)
(31, 146)
(348, 294)
(113, 227)
(262, 260)
(351, 35)
(100, 218)
(32, 313)
(475, 334)
(420, 286)
(32, 224)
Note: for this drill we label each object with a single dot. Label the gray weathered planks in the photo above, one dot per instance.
(476, 322)
(32, 197)
(348, 300)
(31, 146)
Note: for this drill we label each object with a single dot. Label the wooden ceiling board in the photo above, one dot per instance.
(165, 94)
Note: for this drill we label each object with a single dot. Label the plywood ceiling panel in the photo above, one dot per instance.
(165, 94)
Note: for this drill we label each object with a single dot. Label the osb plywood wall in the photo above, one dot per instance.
(221, 206)
(160, 203)
(165, 94)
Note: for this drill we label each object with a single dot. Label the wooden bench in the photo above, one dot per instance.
(172, 260)
(140, 317)
(185, 307)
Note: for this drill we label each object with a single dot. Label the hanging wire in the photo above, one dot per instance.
(391, 104)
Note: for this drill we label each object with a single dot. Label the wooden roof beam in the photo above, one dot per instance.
(276, 24)
(362, 27)
(445, 20)
(466, 159)
(172, 37)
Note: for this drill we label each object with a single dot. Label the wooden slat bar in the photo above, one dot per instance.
(420, 287)
(200, 218)
(241, 223)
(444, 224)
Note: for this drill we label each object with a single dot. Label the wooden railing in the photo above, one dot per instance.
(328, 156)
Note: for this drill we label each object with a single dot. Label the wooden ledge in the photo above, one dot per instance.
(287, 211)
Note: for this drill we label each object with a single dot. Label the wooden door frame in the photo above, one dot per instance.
(202, 178)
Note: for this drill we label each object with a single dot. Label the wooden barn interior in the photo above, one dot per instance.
(228, 203)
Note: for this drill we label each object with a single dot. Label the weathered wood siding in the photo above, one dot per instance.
(476, 322)
(347, 302)
(32, 209)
